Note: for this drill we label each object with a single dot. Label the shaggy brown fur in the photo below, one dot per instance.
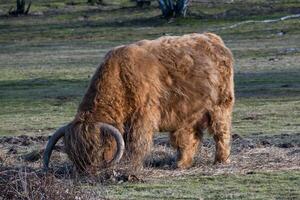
(178, 84)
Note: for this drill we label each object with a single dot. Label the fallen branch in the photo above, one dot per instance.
(257, 21)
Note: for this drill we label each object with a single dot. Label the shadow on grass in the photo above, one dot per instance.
(263, 84)
(115, 23)
(60, 91)
(40, 89)
(267, 84)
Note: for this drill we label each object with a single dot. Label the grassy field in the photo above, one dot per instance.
(252, 186)
(48, 57)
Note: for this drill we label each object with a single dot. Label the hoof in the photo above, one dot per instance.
(219, 161)
(184, 165)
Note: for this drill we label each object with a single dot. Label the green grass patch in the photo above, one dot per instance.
(47, 60)
(277, 185)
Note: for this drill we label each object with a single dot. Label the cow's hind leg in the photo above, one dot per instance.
(220, 127)
(186, 140)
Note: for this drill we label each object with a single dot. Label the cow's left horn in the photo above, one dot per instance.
(119, 139)
(50, 145)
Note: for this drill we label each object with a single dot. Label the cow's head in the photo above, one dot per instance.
(88, 144)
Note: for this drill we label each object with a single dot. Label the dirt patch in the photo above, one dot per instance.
(30, 148)
(22, 139)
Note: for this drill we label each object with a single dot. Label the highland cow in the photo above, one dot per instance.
(180, 84)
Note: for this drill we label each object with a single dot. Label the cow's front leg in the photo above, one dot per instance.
(140, 135)
(186, 140)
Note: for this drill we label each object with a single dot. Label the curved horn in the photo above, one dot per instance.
(50, 145)
(119, 139)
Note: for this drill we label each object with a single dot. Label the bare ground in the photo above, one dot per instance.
(249, 154)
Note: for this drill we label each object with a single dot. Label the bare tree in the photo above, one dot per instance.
(173, 8)
(20, 8)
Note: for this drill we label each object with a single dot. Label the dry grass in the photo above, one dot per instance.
(21, 175)
(27, 184)
(252, 154)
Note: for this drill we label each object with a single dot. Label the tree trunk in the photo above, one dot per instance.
(173, 8)
(20, 8)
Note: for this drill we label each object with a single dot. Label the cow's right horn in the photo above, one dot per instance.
(119, 139)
